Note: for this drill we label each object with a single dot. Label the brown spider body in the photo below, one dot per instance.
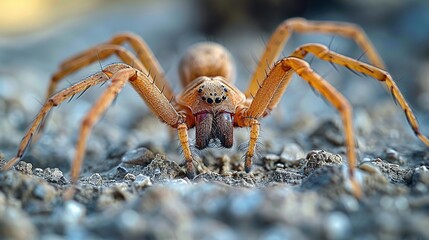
(209, 96)
(210, 102)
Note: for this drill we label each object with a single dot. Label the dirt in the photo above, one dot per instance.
(135, 193)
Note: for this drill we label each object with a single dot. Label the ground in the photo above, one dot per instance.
(143, 192)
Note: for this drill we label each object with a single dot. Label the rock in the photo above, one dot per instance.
(420, 175)
(140, 156)
(280, 175)
(215, 230)
(38, 172)
(141, 182)
(369, 168)
(328, 131)
(337, 226)
(95, 179)
(54, 175)
(72, 213)
(16, 224)
(242, 205)
(131, 224)
(328, 180)
(282, 232)
(25, 168)
(392, 156)
(129, 177)
(394, 172)
(291, 153)
(318, 159)
(161, 169)
(270, 161)
(113, 196)
(44, 192)
(121, 171)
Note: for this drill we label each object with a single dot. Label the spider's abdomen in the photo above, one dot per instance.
(206, 59)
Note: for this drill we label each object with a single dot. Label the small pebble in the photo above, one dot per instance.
(370, 168)
(53, 175)
(421, 188)
(350, 203)
(95, 179)
(44, 192)
(282, 175)
(16, 224)
(337, 226)
(270, 161)
(129, 177)
(392, 155)
(130, 223)
(142, 181)
(291, 153)
(180, 181)
(243, 205)
(140, 156)
(121, 171)
(38, 172)
(25, 168)
(318, 159)
(280, 165)
(421, 175)
(73, 213)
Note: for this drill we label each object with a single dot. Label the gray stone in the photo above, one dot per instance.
(142, 181)
(95, 179)
(140, 156)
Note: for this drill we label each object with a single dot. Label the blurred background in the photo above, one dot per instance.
(37, 35)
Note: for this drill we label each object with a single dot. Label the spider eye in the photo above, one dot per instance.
(210, 100)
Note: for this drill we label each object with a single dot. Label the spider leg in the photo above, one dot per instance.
(275, 84)
(280, 36)
(325, 54)
(120, 74)
(145, 58)
(53, 101)
(154, 98)
(92, 55)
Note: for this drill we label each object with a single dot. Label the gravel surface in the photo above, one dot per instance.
(133, 184)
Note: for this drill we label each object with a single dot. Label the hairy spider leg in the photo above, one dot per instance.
(280, 36)
(53, 101)
(145, 61)
(274, 86)
(382, 76)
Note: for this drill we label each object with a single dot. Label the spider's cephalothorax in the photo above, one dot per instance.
(209, 101)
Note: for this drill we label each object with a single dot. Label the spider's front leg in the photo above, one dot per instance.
(270, 93)
(53, 101)
(151, 94)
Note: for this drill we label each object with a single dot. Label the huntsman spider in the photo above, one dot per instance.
(209, 100)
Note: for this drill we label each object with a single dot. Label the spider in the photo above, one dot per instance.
(209, 101)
